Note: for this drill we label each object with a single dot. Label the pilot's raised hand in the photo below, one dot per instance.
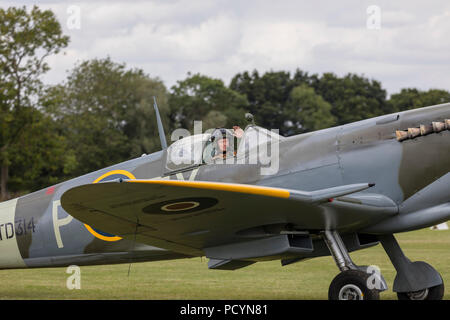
(238, 132)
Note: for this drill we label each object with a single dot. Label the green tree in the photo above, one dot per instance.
(26, 40)
(214, 119)
(40, 157)
(352, 97)
(411, 98)
(106, 113)
(197, 96)
(269, 95)
(266, 94)
(308, 111)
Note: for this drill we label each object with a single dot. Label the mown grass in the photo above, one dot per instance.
(191, 279)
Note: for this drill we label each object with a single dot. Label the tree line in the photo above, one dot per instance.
(102, 113)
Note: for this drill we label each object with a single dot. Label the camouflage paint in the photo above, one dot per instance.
(361, 152)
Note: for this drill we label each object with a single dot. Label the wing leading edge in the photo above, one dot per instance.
(191, 216)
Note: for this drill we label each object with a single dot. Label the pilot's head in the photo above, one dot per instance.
(223, 143)
(221, 137)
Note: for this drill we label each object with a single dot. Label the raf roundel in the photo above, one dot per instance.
(180, 206)
(111, 175)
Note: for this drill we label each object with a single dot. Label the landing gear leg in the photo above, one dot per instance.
(414, 280)
(353, 283)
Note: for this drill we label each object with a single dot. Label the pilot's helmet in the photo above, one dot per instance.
(221, 133)
(218, 135)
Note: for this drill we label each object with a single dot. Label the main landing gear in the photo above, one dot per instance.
(414, 280)
(354, 282)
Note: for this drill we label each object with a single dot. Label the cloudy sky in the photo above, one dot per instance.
(400, 43)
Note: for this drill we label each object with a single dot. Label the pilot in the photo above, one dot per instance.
(223, 148)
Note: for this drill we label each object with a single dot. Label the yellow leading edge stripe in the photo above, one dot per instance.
(232, 187)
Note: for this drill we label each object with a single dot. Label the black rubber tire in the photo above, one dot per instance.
(434, 293)
(352, 278)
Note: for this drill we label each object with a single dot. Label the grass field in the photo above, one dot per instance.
(191, 279)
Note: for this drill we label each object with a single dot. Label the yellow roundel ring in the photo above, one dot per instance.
(96, 233)
(110, 173)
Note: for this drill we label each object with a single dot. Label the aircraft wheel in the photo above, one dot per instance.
(352, 285)
(433, 293)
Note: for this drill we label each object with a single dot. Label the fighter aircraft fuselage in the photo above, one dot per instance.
(409, 168)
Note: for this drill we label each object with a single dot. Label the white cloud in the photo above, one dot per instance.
(221, 38)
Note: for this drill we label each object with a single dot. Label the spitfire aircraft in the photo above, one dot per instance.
(264, 197)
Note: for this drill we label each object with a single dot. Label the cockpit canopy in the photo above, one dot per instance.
(201, 148)
(186, 152)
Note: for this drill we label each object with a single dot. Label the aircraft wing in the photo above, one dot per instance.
(191, 216)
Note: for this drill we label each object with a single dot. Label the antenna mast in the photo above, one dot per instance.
(162, 136)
